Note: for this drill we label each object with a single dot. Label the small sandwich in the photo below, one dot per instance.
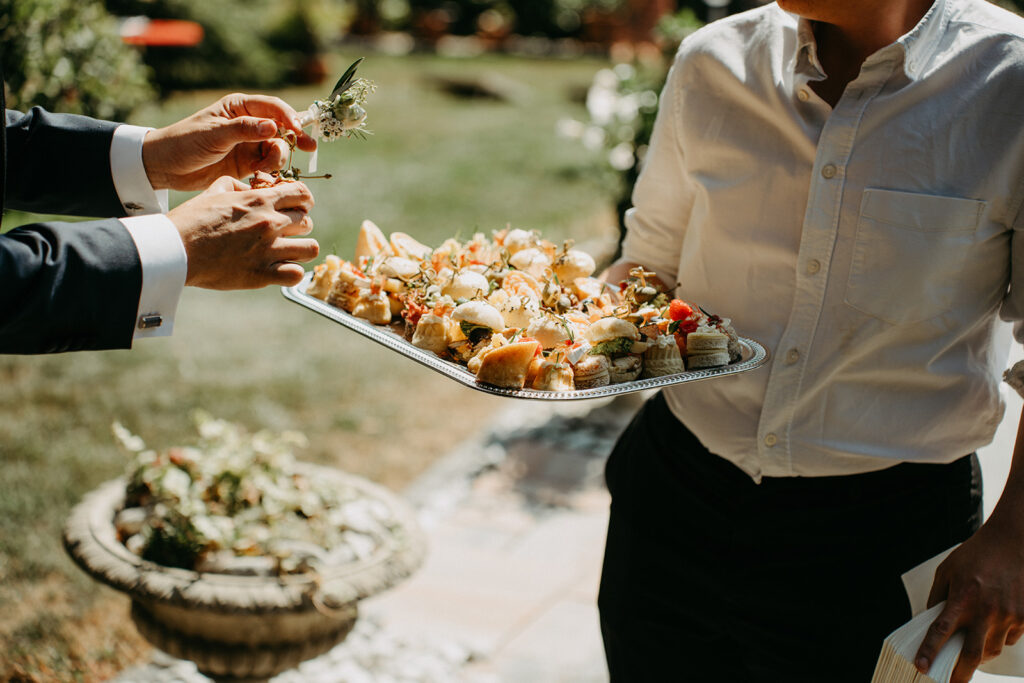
(591, 372)
(507, 366)
(517, 310)
(516, 240)
(324, 277)
(625, 369)
(552, 374)
(349, 285)
(530, 260)
(370, 241)
(573, 264)
(466, 284)
(431, 333)
(404, 245)
(550, 331)
(587, 288)
(399, 268)
(373, 305)
(735, 350)
(478, 320)
(662, 357)
(618, 340)
(706, 348)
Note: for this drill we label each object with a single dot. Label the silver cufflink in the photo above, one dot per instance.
(147, 322)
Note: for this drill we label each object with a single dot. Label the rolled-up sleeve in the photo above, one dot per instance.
(663, 196)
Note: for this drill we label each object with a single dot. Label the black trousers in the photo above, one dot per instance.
(710, 577)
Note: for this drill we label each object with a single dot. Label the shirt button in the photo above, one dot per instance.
(813, 266)
(770, 440)
(792, 356)
(803, 95)
(828, 171)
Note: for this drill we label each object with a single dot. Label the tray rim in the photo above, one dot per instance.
(755, 355)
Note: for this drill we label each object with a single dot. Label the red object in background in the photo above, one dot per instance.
(161, 32)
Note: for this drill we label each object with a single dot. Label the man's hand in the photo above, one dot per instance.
(982, 583)
(239, 238)
(235, 136)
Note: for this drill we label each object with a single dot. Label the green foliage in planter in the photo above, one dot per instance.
(67, 56)
(233, 53)
(176, 543)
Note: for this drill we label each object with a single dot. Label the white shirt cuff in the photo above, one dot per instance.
(164, 267)
(130, 180)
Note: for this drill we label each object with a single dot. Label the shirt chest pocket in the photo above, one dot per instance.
(909, 253)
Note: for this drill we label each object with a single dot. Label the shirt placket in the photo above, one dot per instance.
(817, 239)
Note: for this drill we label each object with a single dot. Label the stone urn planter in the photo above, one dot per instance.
(237, 627)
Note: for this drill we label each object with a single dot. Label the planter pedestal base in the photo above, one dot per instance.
(243, 628)
(227, 662)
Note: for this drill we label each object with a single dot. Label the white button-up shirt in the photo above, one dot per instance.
(871, 247)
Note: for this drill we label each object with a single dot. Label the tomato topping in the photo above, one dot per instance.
(678, 309)
(687, 326)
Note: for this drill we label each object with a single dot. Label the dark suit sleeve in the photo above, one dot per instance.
(68, 287)
(60, 163)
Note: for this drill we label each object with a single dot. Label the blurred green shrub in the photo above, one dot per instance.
(67, 56)
(234, 52)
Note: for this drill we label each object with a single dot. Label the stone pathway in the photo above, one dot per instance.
(516, 522)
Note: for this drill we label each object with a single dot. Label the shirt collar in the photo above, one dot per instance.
(805, 61)
(923, 40)
(918, 45)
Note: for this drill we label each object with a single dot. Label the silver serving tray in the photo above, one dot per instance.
(754, 355)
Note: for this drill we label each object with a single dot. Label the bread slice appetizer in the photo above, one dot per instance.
(370, 241)
(507, 366)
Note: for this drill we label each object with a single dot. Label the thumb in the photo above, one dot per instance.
(246, 129)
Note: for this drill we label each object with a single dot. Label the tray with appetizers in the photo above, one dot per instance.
(515, 315)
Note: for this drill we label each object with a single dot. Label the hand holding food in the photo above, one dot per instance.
(235, 136)
(241, 238)
(521, 312)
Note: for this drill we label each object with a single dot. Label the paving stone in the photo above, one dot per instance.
(563, 644)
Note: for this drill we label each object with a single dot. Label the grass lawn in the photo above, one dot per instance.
(437, 166)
